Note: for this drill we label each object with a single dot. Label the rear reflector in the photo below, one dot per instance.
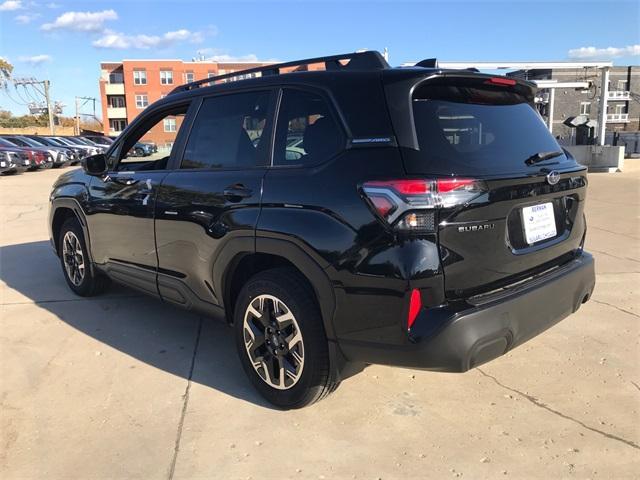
(415, 303)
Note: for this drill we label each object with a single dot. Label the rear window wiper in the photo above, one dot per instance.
(541, 156)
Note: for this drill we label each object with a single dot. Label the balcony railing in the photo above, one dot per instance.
(618, 117)
(116, 112)
(114, 88)
(618, 95)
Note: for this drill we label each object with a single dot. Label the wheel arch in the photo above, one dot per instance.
(63, 209)
(274, 253)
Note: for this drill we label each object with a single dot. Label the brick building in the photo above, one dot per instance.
(623, 103)
(129, 86)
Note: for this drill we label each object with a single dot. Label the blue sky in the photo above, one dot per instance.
(65, 41)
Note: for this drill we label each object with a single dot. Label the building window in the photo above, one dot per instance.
(623, 85)
(117, 125)
(169, 124)
(211, 74)
(166, 77)
(140, 77)
(116, 102)
(189, 77)
(585, 108)
(142, 101)
(620, 109)
(116, 77)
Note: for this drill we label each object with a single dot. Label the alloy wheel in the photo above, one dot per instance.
(273, 341)
(73, 258)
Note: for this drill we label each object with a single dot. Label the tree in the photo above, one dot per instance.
(5, 72)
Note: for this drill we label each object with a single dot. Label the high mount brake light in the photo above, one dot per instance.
(410, 204)
(505, 82)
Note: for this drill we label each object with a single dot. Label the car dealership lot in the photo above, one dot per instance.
(122, 386)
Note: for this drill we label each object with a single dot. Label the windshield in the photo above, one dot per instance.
(6, 143)
(62, 141)
(49, 141)
(102, 140)
(33, 143)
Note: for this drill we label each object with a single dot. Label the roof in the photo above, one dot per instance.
(516, 65)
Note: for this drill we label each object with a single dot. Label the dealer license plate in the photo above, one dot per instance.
(539, 222)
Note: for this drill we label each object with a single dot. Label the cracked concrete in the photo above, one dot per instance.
(540, 404)
(121, 386)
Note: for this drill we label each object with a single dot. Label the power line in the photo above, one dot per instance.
(39, 105)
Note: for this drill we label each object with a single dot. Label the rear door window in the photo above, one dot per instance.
(227, 132)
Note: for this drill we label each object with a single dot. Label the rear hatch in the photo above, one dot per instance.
(526, 215)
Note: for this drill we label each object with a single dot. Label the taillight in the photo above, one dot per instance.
(410, 204)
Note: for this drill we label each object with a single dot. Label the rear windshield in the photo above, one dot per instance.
(479, 132)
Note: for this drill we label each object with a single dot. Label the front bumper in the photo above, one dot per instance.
(465, 339)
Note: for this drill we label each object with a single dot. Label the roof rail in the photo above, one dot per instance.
(369, 60)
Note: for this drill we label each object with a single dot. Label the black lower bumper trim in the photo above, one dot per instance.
(477, 335)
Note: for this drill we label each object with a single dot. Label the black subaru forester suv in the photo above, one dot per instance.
(339, 212)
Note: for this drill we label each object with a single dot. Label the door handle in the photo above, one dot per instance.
(125, 180)
(237, 191)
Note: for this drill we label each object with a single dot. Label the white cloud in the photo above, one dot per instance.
(604, 53)
(81, 21)
(53, 5)
(10, 5)
(36, 59)
(26, 18)
(220, 55)
(117, 40)
(231, 58)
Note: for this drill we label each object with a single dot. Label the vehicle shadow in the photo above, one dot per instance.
(142, 327)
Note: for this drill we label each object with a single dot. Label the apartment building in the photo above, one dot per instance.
(623, 99)
(129, 86)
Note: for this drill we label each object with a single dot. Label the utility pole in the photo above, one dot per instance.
(39, 106)
(86, 99)
(602, 114)
(551, 106)
(76, 130)
(47, 99)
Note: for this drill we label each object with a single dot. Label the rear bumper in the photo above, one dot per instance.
(468, 338)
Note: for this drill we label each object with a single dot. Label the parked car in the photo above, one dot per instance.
(61, 156)
(432, 222)
(140, 149)
(15, 160)
(99, 139)
(7, 165)
(79, 152)
(74, 142)
(86, 141)
(39, 157)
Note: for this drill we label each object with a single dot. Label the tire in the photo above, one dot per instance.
(83, 279)
(278, 293)
(139, 152)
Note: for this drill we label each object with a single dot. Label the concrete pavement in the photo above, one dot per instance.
(122, 386)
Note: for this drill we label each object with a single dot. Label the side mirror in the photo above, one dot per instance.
(95, 165)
